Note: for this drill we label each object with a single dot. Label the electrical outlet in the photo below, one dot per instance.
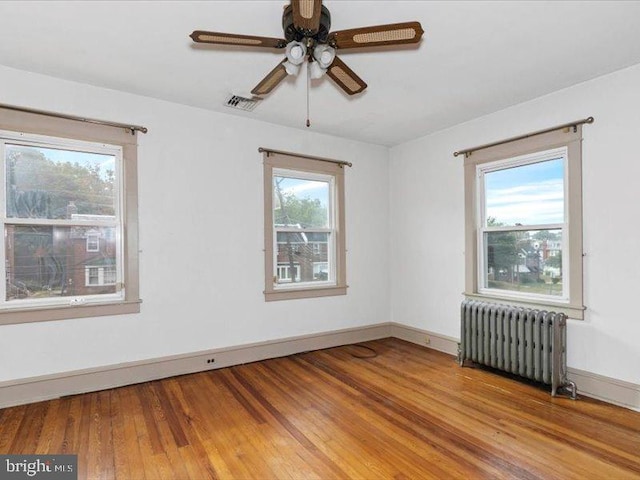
(427, 340)
(210, 360)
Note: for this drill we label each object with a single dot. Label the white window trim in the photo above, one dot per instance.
(568, 138)
(313, 169)
(78, 133)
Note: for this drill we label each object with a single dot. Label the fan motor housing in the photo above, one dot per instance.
(291, 33)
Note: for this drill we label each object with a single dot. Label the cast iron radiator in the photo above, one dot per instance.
(526, 342)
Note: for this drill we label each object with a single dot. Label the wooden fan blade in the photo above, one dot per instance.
(271, 81)
(306, 15)
(392, 34)
(346, 79)
(200, 36)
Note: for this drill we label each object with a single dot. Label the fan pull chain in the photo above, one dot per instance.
(308, 86)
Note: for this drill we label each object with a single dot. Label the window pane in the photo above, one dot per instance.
(526, 195)
(52, 261)
(93, 242)
(56, 184)
(296, 253)
(109, 275)
(528, 262)
(93, 275)
(300, 203)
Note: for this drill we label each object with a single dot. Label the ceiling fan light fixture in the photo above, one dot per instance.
(316, 71)
(296, 51)
(291, 68)
(324, 55)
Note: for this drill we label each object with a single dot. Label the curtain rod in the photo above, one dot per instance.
(468, 151)
(342, 163)
(133, 128)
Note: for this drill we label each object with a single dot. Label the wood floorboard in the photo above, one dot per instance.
(490, 413)
(403, 412)
(425, 426)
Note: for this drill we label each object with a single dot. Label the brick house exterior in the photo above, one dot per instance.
(306, 252)
(60, 260)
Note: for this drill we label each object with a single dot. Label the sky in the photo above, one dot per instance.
(527, 195)
(306, 189)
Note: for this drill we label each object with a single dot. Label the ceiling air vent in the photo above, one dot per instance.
(242, 103)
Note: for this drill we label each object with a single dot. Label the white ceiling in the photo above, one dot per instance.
(475, 57)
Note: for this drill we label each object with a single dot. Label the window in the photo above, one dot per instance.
(521, 221)
(524, 222)
(93, 276)
(93, 242)
(284, 273)
(109, 275)
(63, 219)
(304, 210)
(100, 276)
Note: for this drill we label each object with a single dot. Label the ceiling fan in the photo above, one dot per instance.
(307, 36)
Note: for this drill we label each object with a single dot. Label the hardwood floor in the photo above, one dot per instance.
(407, 413)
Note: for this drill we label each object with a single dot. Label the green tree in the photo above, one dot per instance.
(502, 252)
(555, 261)
(546, 235)
(306, 212)
(38, 187)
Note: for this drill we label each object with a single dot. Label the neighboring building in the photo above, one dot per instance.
(91, 266)
(551, 248)
(306, 252)
(45, 261)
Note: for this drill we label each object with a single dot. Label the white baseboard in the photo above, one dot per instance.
(607, 389)
(47, 387)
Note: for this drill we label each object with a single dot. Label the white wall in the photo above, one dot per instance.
(201, 236)
(427, 219)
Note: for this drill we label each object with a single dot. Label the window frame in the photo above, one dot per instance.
(67, 130)
(508, 154)
(331, 229)
(515, 162)
(276, 163)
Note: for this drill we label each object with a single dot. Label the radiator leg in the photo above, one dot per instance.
(569, 387)
(460, 356)
(574, 390)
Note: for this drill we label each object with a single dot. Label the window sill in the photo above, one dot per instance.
(65, 312)
(311, 292)
(572, 311)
